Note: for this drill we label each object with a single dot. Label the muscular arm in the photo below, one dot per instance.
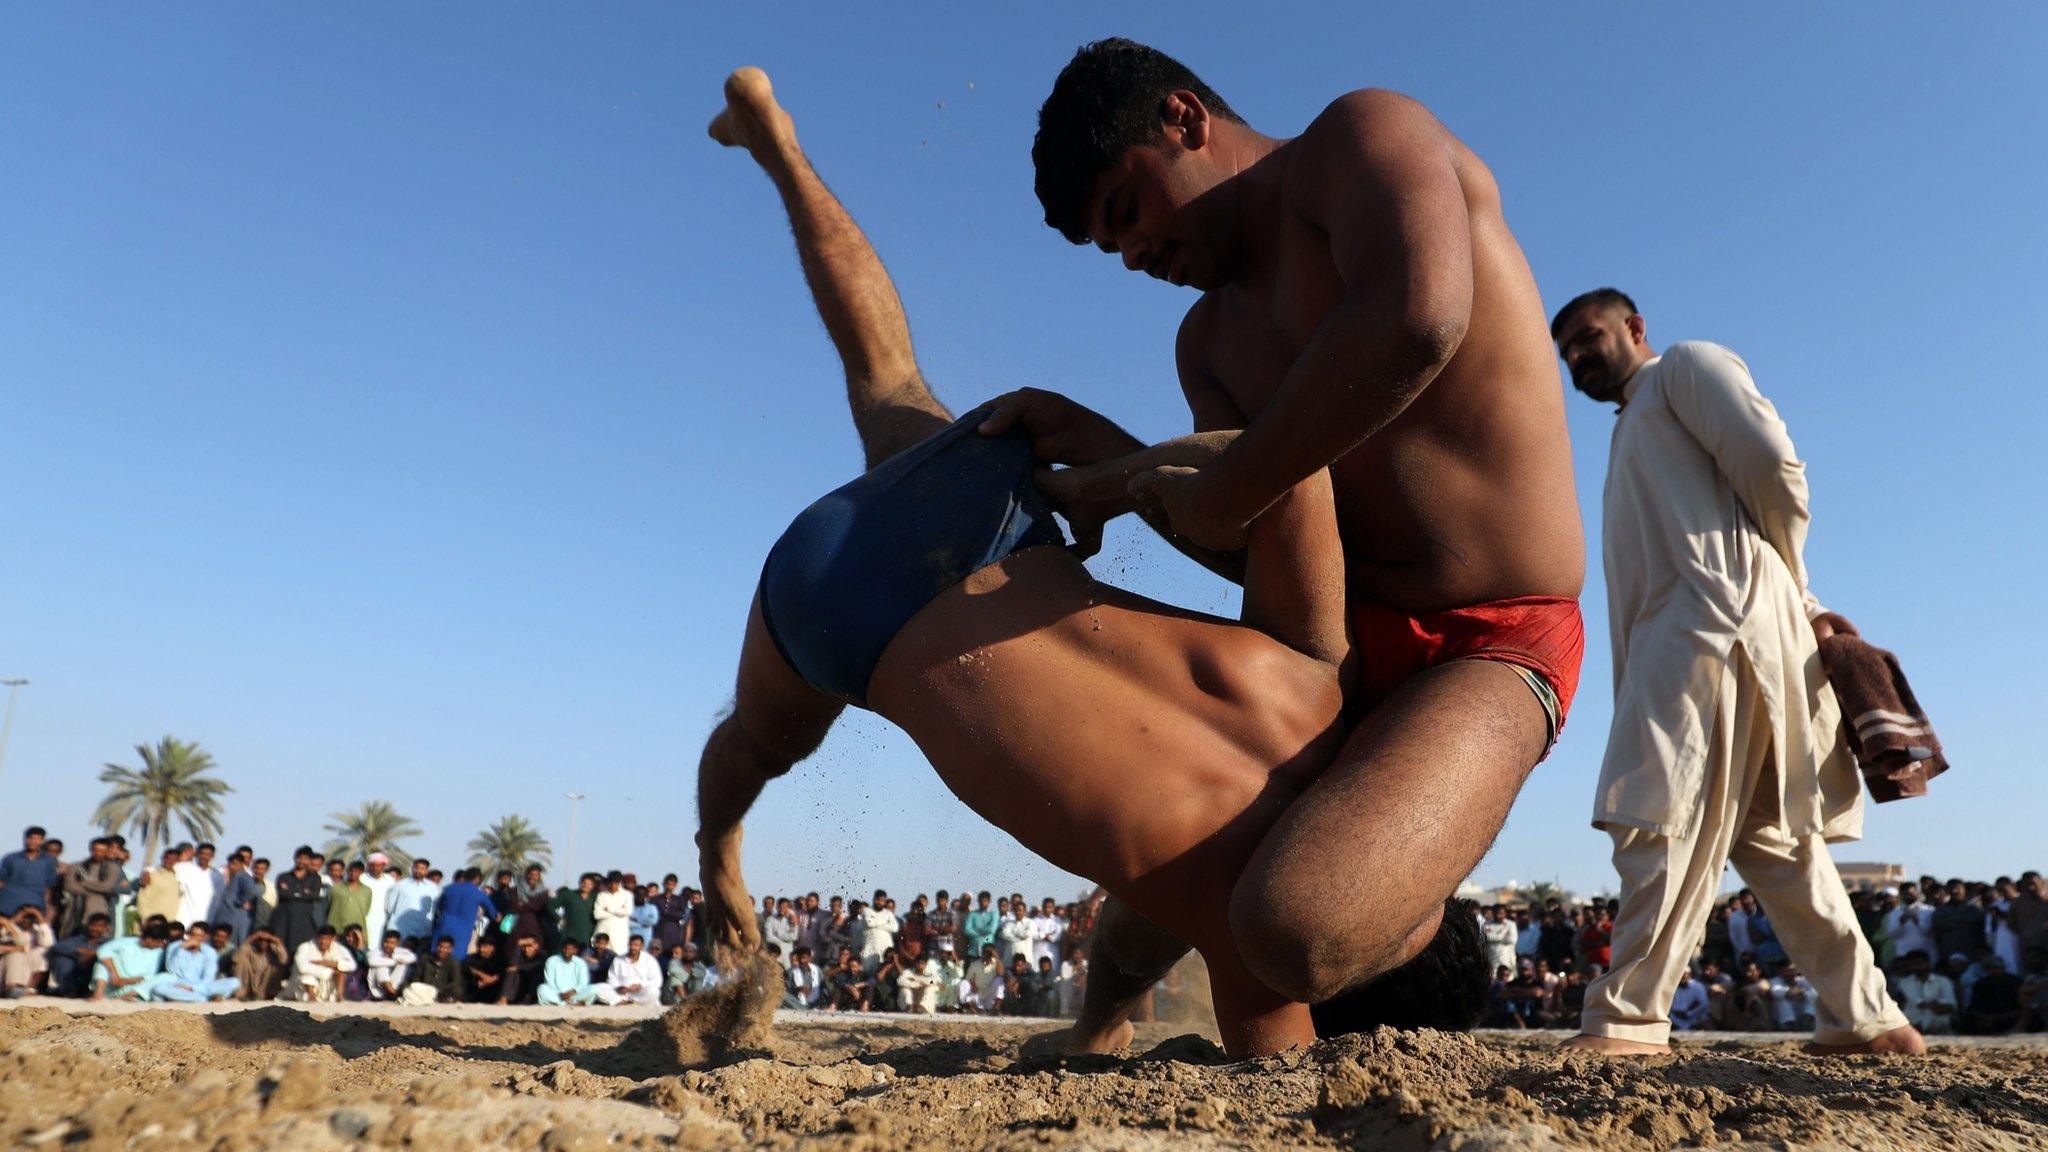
(1376, 173)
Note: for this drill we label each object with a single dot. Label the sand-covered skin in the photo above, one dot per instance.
(278, 1078)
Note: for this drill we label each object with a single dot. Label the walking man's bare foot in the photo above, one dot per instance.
(1905, 1041)
(1614, 1046)
(1074, 1041)
(752, 119)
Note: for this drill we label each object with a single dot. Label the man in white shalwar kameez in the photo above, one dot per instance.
(1726, 744)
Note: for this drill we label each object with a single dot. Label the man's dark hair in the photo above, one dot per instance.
(1598, 296)
(206, 846)
(155, 930)
(33, 830)
(1105, 102)
(99, 918)
(1445, 986)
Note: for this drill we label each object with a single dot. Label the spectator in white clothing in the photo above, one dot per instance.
(635, 976)
(318, 967)
(1047, 930)
(614, 909)
(1910, 926)
(389, 966)
(1928, 997)
(198, 883)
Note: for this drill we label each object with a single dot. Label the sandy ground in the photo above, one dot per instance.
(77, 1077)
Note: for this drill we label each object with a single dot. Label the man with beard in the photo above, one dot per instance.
(1726, 744)
(1364, 309)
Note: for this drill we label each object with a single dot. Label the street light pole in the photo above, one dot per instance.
(569, 857)
(14, 686)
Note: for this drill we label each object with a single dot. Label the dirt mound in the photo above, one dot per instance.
(733, 1019)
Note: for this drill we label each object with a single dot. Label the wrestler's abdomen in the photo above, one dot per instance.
(1143, 747)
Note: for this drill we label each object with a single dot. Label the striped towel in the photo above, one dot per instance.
(1894, 743)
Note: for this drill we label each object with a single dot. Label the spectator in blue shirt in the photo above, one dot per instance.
(1689, 1004)
(27, 877)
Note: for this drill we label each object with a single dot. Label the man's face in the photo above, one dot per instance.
(260, 870)
(99, 849)
(234, 865)
(569, 949)
(334, 869)
(205, 857)
(529, 947)
(533, 876)
(195, 939)
(355, 874)
(376, 869)
(32, 843)
(981, 902)
(633, 946)
(1598, 343)
(390, 945)
(443, 949)
(585, 886)
(1153, 208)
(222, 937)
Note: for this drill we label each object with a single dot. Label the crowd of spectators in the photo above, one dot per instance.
(1961, 956)
(201, 926)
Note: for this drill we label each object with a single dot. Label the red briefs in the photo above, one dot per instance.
(1543, 636)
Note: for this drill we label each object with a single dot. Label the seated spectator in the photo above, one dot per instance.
(1689, 1003)
(1928, 997)
(1720, 990)
(803, 984)
(355, 986)
(483, 973)
(1017, 987)
(848, 982)
(192, 971)
(72, 959)
(1527, 996)
(1045, 989)
(599, 956)
(1073, 983)
(947, 959)
(1754, 1009)
(689, 968)
(1994, 1001)
(389, 967)
(318, 969)
(223, 941)
(1793, 999)
(635, 977)
(436, 977)
(261, 965)
(883, 994)
(25, 943)
(982, 984)
(129, 967)
(566, 980)
(1571, 996)
(1497, 1014)
(525, 971)
(918, 984)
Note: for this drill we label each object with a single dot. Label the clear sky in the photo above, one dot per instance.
(399, 399)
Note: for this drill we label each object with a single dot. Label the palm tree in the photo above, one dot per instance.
(1543, 891)
(511, 843)
(375, 826)
(172, 784)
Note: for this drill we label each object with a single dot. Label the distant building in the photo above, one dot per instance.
(1862, 876)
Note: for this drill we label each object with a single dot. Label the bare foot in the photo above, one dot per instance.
(1614, 1046)
(1905, 1041)
(752, 119)
(1073, 1041)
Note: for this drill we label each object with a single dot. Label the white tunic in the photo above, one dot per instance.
(1705, 524)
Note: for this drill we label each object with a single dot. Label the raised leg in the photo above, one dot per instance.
(892, 407)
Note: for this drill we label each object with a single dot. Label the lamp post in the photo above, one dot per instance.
(569, 857)
(14, 686)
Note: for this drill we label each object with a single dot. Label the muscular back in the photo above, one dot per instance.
(1467, 495)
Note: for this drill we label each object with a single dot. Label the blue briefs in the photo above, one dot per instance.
(857, 565)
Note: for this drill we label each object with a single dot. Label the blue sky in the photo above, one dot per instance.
(399, 399)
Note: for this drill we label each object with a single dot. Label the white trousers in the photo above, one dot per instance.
(1669, 883)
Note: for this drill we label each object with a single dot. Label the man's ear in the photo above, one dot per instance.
(1184, 119)
(1638, 328)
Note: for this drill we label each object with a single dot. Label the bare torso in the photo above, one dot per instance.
(1140, 745)
(1467, 495)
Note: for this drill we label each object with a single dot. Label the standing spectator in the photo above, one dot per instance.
(1958, 921)
(192, 971)
(530, 900)
(1528, 934)
(1726, 744)
(672, 916)
(877, 928)
(234, 905)
(1999, 934)
(198, 883)
(942, 922)
(1928, 997)
(782, 929)
(2030, 913)
(28, 878)
(156, 895)
(1500, 938)
(1739, 911)
(635, 976)
(913, 926)
(837, 930)
(409, 906)
(951, 973)
(126, 969)
(333, 874)
(978, 927)
(380, 880)
(1013, 933)
(320, 964)
(71, 959)
(461, 905)
(803, 984)
(297, 919)
(262, 963)
(1717, 947)
(1719, 987)
(1047, 930)
(1911, 925)
(92, 885)
(266, 903)
(577, 910)
(1560, 940)
(614, 908)
(389, 966)
(25, 942)
(646, 916)
(436, 977)
(348, 905)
